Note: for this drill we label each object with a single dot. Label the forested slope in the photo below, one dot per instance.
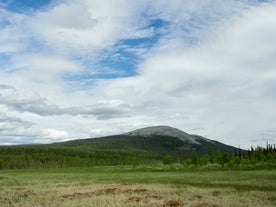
(147, 146)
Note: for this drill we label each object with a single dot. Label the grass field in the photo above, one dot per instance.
(127, 186)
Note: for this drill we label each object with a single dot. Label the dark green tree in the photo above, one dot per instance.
(195, 158)
(211, 157)
(168, 160)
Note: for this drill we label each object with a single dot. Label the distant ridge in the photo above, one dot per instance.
(160, 140)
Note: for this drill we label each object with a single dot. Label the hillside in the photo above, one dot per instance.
(160, 139)
(144, 146)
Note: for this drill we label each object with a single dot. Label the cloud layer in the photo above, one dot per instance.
(207, 68)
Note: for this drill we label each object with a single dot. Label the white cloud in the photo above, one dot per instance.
(29, 102)
(10, 35)
(6, 87)
(212, 72)
(50, 135)
(14, 130)
(10, 123)
(49, 64)
(74, 26)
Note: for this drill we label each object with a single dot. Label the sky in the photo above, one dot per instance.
(72, 69)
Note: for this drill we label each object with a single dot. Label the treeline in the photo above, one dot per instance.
(49, 156)
(254, 156)
(20, 157)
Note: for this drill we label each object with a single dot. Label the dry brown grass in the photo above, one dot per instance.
(130, 195)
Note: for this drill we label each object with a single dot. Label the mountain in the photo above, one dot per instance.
(149, 145)
(161, 140)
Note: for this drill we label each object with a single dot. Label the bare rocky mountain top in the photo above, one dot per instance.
(167, 131)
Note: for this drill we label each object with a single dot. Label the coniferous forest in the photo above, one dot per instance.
(55, 156)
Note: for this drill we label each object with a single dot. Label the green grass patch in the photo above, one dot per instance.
(263, 180)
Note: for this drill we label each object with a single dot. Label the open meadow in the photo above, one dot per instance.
(137, 186)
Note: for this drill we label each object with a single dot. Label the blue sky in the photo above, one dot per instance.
(25, 6)
(76, 69)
